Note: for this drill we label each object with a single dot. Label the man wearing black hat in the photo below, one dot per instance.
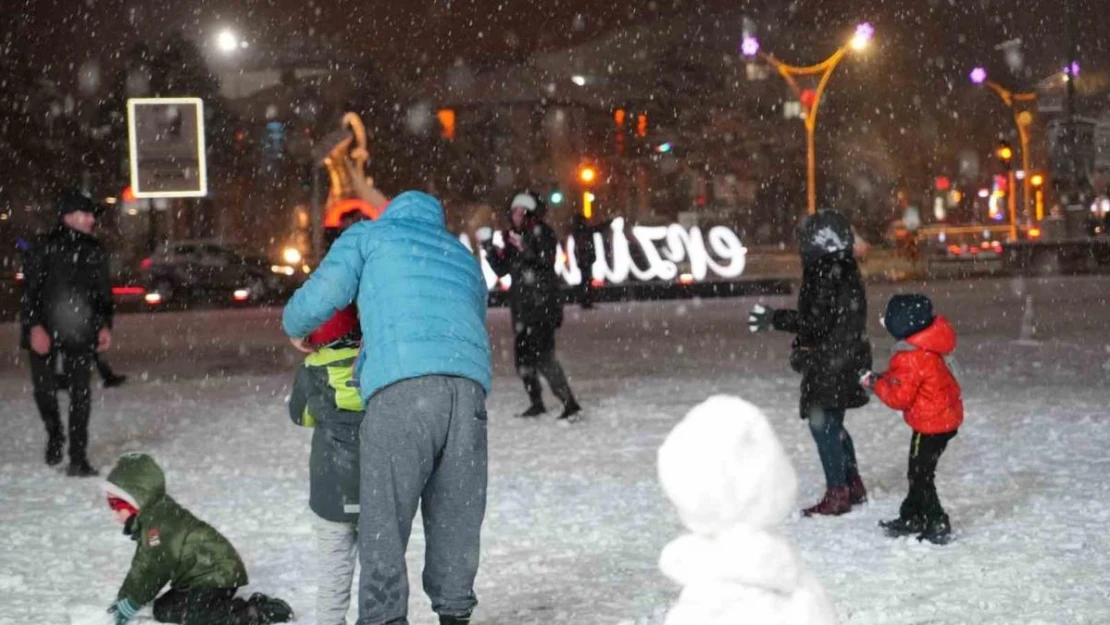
(66, 319)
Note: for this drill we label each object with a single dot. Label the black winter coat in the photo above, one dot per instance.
(831, 346)
(534, 297)
(66, 289)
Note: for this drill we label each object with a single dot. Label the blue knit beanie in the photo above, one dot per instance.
(906, 315)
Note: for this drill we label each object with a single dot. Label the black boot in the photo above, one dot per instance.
(269, 609)
(454, 620)
(55, 447)
(899, 527)
(113, 381)
(937, 531)
(81, 468)
(535, 410)
(571, 411)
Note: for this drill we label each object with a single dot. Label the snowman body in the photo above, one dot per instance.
(733, 486)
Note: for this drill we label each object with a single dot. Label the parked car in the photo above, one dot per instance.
(183, 271)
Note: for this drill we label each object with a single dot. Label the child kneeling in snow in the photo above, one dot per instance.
(324, 397)
(921, 384)
(174, 547)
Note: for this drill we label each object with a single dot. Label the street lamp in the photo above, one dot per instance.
(1023, 119)
(227, 42)
(862, 37)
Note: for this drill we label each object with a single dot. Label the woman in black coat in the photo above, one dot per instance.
(830, 348)
(534, 300)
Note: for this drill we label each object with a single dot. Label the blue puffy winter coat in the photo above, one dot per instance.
(421, 297)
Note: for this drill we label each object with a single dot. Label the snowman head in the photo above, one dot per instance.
(723, 466)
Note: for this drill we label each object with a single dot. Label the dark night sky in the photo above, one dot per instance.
(913, 84)
(435, 32)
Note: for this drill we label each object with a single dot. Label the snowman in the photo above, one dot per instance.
(726, 473)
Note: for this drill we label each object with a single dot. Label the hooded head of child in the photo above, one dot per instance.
(908, 314)
(135, 483)
(343, 327)
(723, 466)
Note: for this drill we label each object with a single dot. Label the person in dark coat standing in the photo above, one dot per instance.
(585, 252)
(66, 316)
(830, 348)
(537, 310)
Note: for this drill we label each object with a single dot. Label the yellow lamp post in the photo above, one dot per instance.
(1022, 106)
(862, 37)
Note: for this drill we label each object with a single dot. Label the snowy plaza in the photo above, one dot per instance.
(576, 518)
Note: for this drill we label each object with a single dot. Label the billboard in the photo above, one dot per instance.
(166, 141)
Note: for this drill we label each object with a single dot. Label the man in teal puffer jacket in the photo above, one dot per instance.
(423, 377)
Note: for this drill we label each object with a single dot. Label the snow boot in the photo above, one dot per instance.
(937, 531)
(114, 381)
(835, 502)
(896, 528)
(571, 412)
(55, 446)
(81, 468)
(454, 620)
(535, 410)
(857, 492)
(269, 609)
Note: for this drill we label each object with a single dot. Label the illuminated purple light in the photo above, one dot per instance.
(750, 46)
(978, 75)
(1074, 68)
(864, 32)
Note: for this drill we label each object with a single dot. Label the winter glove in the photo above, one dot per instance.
(867, 379)
(760, 318)
(123, 611)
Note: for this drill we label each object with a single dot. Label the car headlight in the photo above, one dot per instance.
(291, 255)
(284, 270)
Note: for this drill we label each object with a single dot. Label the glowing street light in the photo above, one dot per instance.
(810, 99)
(1023, 119)
(750, 46)
(864, 33)
(587, 174)
(227, 42)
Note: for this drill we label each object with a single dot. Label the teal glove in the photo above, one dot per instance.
(123, 611)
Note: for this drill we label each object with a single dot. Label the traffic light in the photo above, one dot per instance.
(587, 174)
(1005, 153)
(556, 197)
(1037, 180)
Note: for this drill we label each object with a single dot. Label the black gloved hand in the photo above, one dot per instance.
(760, 318)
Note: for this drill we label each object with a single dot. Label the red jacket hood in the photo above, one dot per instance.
(939, 338)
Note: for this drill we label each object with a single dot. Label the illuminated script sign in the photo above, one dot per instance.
(663, 253)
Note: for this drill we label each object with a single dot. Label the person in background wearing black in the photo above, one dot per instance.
(534, 299)
(585, 251)
(830, 348)
(66, 315)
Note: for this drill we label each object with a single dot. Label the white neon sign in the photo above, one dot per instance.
(661, 248)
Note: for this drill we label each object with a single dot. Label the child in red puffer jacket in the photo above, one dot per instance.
(920, 383)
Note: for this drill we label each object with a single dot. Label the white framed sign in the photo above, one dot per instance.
(166, 143)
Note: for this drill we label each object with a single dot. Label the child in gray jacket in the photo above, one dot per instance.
(324, 397)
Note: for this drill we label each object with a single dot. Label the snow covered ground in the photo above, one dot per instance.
(576, 517)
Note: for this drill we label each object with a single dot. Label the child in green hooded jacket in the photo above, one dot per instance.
(175, 548)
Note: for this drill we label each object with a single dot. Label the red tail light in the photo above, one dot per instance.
(146, 263)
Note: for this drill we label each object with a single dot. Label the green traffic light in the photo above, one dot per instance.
(556, 197)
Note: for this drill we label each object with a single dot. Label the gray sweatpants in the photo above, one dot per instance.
(336, 553)
(423, 443)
